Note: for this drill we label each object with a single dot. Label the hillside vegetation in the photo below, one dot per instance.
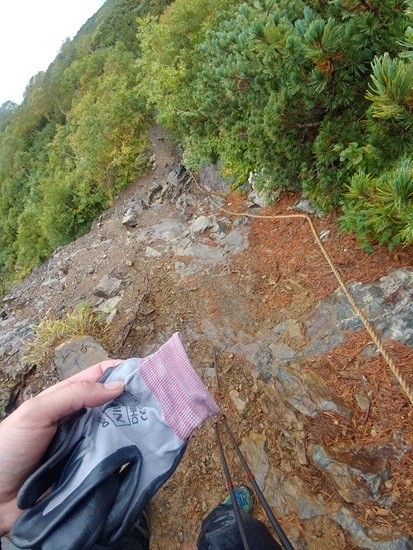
(314, 96)
(77, 139)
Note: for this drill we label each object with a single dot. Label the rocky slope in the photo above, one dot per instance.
(325, 428)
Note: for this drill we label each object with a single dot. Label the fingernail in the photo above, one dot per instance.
(114, 386)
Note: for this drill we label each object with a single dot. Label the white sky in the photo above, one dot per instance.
(31, 34)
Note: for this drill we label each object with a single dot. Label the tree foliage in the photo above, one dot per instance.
(78, 138)
(378, 204)
(305, 95)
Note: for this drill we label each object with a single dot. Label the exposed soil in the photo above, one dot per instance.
(281, 276)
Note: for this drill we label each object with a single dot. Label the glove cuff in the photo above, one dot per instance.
(184, 399)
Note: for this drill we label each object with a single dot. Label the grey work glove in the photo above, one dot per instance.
(94, 497)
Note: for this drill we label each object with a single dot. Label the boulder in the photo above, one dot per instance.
(210, 179)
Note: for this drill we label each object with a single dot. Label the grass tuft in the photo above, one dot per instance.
(51, 332)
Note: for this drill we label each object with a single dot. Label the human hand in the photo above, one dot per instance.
(27, 432)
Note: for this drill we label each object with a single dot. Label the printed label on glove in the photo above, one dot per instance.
(122, 414)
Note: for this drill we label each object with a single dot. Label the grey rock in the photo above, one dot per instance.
(240, 401)
(257, 199)
(155, 194)
(236, 241)
(209, 255)
(205, 255)
(281, 352)
(152, 252)
(241, 220)
(111, 316)
(293, 330)
(222, 337)
(288, 495)
(95, 301)
(387, 303)
(13, 349)
(183, 247)
(373, 539)
(109, 305)
(185, 270)
(130, 218)
(200, 224)
(307, 394)
(321, 324)
(275, 486)
(254, 352)
(107, 287)
(181, 241)
(254, 448)
(356, 472)
(175, 175)
(72, 357)
(133, 213)
(52, 281)
(173, 189)
(211, 179)
(304, 205)
(220, 226)
(276, 339)
(165, 230)
(299, 499)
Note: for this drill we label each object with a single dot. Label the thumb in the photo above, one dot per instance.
(50, 407)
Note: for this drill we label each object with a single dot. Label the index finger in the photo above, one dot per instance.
(92, 374)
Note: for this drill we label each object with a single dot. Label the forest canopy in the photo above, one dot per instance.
(310, 96)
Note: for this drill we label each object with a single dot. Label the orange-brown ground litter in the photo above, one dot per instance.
(283, 259)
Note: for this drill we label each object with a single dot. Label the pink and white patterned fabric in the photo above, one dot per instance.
(184, 399)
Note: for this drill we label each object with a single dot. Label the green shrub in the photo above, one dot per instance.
(310, 95)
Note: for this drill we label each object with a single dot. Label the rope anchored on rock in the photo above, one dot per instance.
(368, 326)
